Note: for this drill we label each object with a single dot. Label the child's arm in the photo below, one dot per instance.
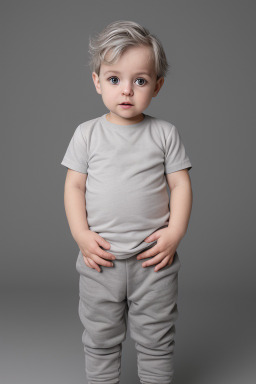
(89, 242)
(180, 201)
(74, 202)
(170, 237)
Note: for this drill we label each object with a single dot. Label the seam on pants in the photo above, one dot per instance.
(126, 290)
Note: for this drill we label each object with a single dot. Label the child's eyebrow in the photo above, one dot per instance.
(136, 74)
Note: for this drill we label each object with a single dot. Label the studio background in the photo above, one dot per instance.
(209, 95)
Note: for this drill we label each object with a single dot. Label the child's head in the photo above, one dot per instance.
(128, 65)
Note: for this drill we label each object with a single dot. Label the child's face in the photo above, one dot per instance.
(127, 81)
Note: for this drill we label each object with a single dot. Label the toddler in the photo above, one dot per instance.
(119, 212)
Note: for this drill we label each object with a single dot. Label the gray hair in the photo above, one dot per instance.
(117, 37)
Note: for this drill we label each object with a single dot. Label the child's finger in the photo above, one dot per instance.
(90, 263)
(87, 261)
(154, 260)
(97, 261)
(163, 264)
(94, 265)
(105, 254)
(148, 253)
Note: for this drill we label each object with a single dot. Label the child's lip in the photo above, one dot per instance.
(126, 106)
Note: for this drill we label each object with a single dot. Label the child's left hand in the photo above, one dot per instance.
(164, 250)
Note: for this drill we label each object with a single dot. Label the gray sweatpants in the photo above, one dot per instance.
(147, 299)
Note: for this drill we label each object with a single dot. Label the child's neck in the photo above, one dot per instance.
(123, 121)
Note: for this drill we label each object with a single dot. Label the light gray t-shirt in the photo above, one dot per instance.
(126, 189)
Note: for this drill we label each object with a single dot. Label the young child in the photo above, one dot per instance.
(117, 206)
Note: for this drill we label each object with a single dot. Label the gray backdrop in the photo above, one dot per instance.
(210, 96)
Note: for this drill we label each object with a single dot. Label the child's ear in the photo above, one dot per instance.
(96, 81)
(158, 86)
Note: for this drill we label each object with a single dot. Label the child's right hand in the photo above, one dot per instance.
(89, 243)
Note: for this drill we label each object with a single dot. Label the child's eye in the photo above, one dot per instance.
(113, 77)
(141, 81)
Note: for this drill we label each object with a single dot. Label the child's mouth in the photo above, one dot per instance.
(125, 106)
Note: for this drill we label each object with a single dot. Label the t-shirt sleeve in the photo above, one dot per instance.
(76, 156)
(175, 154)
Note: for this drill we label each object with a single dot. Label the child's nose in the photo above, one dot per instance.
(127, 89)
